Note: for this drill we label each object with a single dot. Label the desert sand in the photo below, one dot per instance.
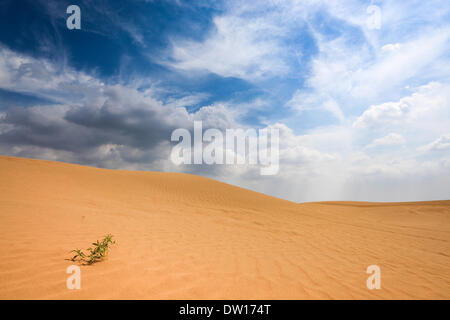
(181, 236)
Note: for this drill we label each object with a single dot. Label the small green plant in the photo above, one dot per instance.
(96, 253)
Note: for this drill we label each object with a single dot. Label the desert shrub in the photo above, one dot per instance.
(98, 252)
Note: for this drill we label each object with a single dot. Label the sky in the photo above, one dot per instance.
(359, 90)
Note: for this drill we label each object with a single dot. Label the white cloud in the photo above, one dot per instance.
(44, 79)
(237, 47)
(391, 47)
(441, 143)
(392, 139)
(412, 60)
(429, 106)
(383, 113)
(351, 80)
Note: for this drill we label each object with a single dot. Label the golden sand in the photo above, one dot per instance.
(181, 236)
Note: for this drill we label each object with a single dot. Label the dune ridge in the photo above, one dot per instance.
(181, 236)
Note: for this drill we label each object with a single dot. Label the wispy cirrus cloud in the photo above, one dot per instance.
(236, 47)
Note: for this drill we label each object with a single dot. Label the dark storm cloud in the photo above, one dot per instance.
(29, 126)
(137, 127)
(115, 127)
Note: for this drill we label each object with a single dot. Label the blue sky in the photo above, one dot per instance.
(363, 110)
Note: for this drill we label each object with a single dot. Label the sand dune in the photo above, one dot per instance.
(186, 237)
